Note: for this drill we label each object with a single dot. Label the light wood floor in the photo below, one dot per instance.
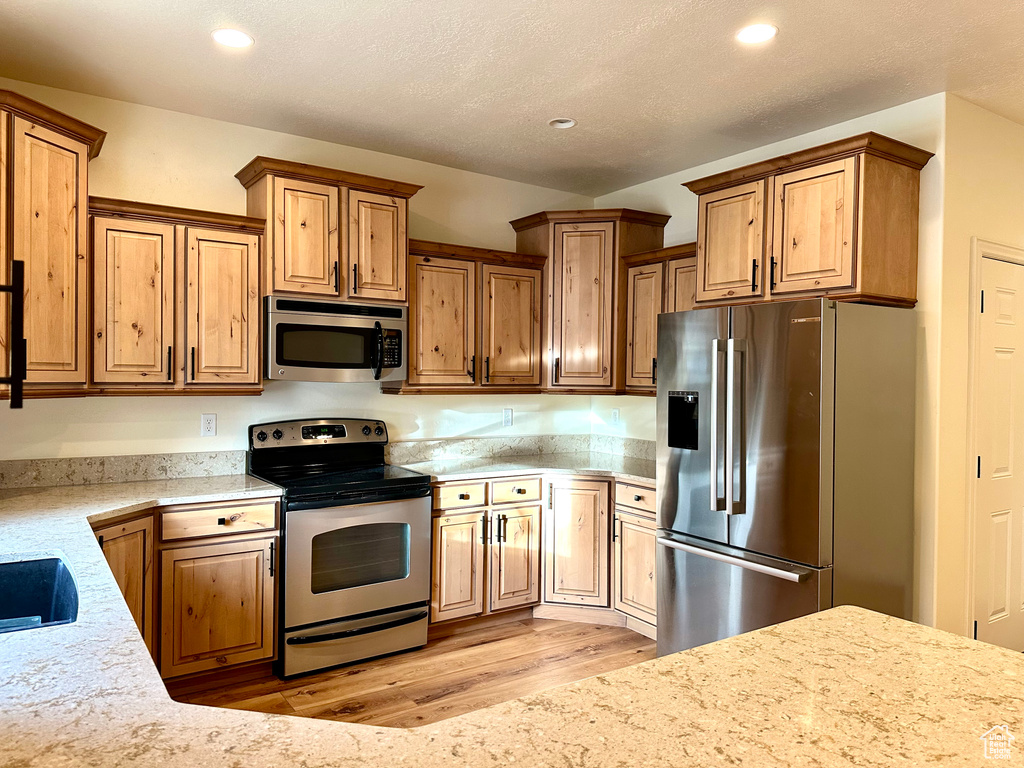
(453, 675)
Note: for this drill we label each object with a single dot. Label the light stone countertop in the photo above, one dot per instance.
(581, 463)
(843, 687)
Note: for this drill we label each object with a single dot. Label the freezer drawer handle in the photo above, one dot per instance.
(797, 575)
(310, 639)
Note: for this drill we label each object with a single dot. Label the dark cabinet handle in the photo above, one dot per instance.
(558, 369)
(483, 529)
(487, 368)
(615, 527)
(15, 377)
(472, 368)
(193, 363)
(272, 559)
(100, 540)
(463, 497)
(519, 490)
(337, 278)
(222, 521)
(753, 276)
(355, 278)
(654, 370)
(638, 498)
(170, 373)
(773, 274)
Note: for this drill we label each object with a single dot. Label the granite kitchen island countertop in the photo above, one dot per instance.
(843, 687)
(578, 463)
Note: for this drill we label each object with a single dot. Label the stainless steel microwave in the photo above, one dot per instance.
(334, 341)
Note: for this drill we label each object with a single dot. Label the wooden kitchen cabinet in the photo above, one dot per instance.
(217, 605)
(839, 220)
(129, 550)
(680, 284)
(585, 316)
(644, 303)
(635, 570)
(576, 543)
(458, 569)
(44, 170)
(175, 300)
(378, 246)
(330, 233)
(515, 556)
(475, 320)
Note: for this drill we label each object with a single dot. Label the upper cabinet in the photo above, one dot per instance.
(585, 329)
(175, 299)
(474, 319)
(838, 220)
(330, 233)
(44, 169)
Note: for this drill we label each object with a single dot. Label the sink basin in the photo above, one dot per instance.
(36, 593)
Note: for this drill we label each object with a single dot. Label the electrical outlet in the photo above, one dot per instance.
(208, 425)
(615, 415)
(506, 417)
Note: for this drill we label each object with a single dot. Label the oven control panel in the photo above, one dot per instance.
(289, 434)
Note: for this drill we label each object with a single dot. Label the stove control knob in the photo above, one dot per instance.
(278, 434)
(378, 431)
(366, 430)
(261, 436)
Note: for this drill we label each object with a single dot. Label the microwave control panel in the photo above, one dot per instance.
(392, 348)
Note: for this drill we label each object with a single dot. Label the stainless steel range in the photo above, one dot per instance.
(356, 532)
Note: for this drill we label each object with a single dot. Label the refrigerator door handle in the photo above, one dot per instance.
(796, 574)
(734, 418)
(717, 501)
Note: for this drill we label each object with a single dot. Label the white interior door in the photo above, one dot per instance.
(999, 440)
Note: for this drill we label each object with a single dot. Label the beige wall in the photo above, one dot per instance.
(984, 198)
(176, 159)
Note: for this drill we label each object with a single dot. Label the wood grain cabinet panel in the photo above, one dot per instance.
(681, 284)
(378, 246)
(5, 213)
(442, 346)
(511, 325)
(306, 244)
(217, 606)
(458, 566)
(576, 540)
(730, 243)
(129, 550)
(635, 572)
(814, 221)
(222, 326)
(643, 304)
(582, 310)
(515, 557)
(49, 234)
(133, 301)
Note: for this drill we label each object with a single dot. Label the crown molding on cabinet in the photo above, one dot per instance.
(54, 120)
(263, 166)
(660, 255)
(487, 255)
(108, 206)
(595, 214)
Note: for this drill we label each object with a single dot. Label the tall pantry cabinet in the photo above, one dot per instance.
(44, 168)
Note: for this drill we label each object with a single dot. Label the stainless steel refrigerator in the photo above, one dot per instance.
(785, 465)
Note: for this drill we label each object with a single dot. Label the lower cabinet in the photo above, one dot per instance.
(576, 540)
(457, 588)
(217, 605)
(128, 548)
(515, 557)
(635, 572)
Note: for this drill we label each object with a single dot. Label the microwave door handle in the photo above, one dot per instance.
(378, 365)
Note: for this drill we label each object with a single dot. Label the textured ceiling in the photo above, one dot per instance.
(656, 86)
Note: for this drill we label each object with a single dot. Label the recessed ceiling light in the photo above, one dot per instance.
(562, 122)
(232, 38)
(757, 33)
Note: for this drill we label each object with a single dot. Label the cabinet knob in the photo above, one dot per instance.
(463, 497)
(638, 498)
(519, 490)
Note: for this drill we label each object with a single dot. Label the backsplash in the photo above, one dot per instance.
(26, 473)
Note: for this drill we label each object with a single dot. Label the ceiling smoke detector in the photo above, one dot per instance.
(233, 38)
(562, 122)
(757, 33)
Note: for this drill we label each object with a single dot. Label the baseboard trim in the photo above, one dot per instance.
(582, 613)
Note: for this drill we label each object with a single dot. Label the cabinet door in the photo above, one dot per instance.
(216, 606)
(511, 325)
(128, 548)
(730, 243)
(635, 573)
(307, 251)
(49, 234)
(442, 344)
(681, 289)
(222, 328)
(133, 301)
(515, 557)
(643, 303)
(582, 310)
(457, 587)
(813, 242)
(576, 543)
(377, 246)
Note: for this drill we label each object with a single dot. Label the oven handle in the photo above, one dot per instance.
(310, 639)
(378, 366)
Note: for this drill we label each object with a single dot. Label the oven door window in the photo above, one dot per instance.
(324, 346)
(359, 555)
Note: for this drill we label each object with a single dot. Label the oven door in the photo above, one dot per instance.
(308, 345)
(345, 561)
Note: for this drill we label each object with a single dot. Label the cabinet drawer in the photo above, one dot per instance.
(459, 495)
(190, 522)
(635, 496)
(521, 489)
